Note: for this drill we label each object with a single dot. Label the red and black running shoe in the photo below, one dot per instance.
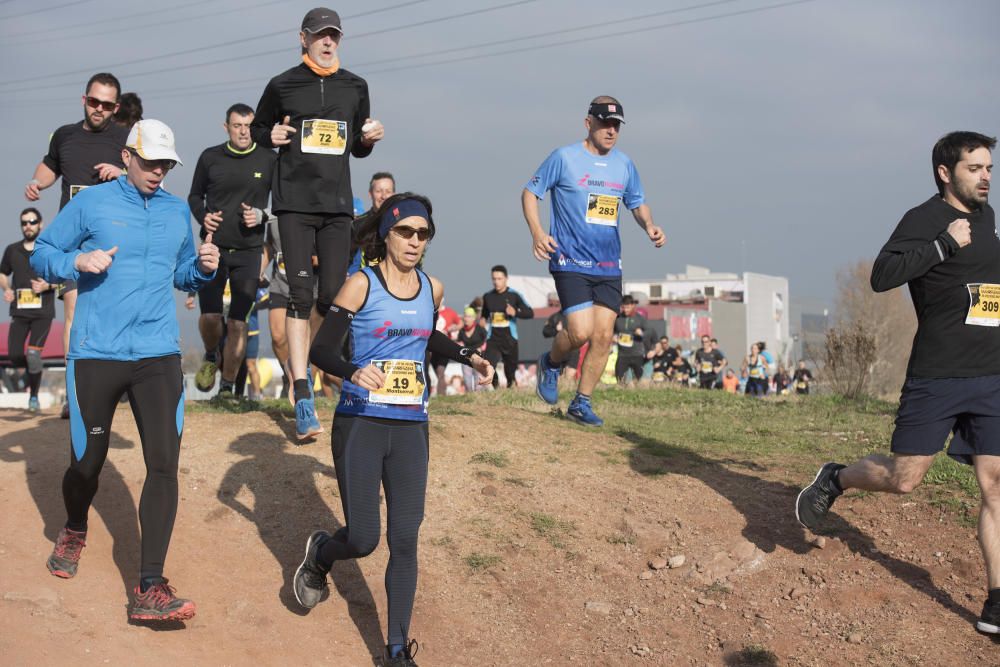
(159, 603)
(66, 554)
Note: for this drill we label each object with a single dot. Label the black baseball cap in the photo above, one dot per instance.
(320, 19)
(605, 111)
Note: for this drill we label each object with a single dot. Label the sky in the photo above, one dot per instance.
(785, 138)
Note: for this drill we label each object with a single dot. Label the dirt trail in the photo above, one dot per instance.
(544, 560)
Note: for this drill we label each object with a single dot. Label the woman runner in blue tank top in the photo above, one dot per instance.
(380, 427)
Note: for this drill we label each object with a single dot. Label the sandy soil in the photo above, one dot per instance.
(544, 561)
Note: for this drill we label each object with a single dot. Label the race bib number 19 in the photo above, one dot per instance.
(984, 305)
(327, 137)
(404, 383)
(602, 209)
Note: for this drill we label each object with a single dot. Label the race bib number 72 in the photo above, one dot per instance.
(984, 305)
(326, 137)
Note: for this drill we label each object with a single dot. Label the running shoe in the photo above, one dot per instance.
(548, 381)
(581, 411)
(989, 620)
(404, 659)
(306, 424)
(159, 603)
(309, 582)
(204, 379)
(64, 414)
(66, 554)
(815, 500)
(33, 405)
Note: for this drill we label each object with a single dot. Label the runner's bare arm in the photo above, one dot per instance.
(542, 245)
(644, 217)
(42, 178)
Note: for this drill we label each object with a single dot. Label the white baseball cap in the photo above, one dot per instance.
(153, 140)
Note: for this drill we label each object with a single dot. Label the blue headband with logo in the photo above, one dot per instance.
(406, 208)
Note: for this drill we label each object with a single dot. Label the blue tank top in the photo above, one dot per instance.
(392, 334)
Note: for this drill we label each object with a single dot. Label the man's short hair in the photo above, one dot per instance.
(949, 149)
(499, 267)
(628, 299)
(604, 99)
(378, 176)
(32, 209)
(105, 79)
(715, 340)
(129, 110)
(239, 109)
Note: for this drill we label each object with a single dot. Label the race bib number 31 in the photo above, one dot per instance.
(326, 137)
(28, 300)
(984, 305)
(602, 209)
(404, 382)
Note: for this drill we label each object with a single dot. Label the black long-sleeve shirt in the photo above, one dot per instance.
(923, 255)
(317, 179)
(224, 179)
(498, 322)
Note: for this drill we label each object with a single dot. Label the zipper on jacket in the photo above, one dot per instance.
(322, 93)
(145, 265)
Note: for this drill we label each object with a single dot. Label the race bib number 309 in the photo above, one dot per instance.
(326, 137)
(984, 305)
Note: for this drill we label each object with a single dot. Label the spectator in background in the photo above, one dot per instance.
(472, 336)
(802, 379)
(754, 369)
(730, 382)
(781, 381)
(129, 110)
(709, 362)
(630, 331)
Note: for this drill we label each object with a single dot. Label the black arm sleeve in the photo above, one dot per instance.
(439, 343)
(266, 116)
(327, 350)
(524, 311)
(892, 269)
(358, 149)
(199, 186)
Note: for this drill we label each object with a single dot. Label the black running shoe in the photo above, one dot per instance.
(989, 620)
(404, 659)
(309, 582)
(815, 500)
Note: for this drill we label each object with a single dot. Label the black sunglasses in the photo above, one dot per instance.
(95, 103)
(408, 232)
(150, 165)
(25, 223)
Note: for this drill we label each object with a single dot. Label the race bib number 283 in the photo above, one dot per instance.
(984, 305)
(602, 209)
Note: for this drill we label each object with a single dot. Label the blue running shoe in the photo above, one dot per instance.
(306, 424)
(581, 412)
(33, 405)
(548, 381)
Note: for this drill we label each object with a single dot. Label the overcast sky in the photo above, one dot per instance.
(786, 141)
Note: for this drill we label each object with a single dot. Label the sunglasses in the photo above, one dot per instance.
(150, 165)
(25, 223)
(408, 232)
(95, 103)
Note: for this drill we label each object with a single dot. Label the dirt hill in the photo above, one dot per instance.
(667, 538)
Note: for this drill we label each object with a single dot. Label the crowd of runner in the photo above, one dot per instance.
(349, 304)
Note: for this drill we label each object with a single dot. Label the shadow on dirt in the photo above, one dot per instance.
(287, 507)
(768, 508)
(45, 451)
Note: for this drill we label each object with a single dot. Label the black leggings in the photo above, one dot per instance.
(624, 364)
(394, 453)
(155, 388)
(304, 235)
(242, 269)
(503, 346)
(36, 331)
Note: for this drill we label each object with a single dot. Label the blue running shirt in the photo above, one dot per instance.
(588, 193)
(391, 333)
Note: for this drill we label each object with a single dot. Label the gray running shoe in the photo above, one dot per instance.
(309, 582)
(815, 500)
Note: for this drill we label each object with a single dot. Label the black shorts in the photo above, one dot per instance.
(930, 408)
(242, 269)
(278, 301)
(580, 290)
(65, 286)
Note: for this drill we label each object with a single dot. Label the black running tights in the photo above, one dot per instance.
(367, 453)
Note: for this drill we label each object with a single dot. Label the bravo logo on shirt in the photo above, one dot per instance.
(587, 181)
(386, 331)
